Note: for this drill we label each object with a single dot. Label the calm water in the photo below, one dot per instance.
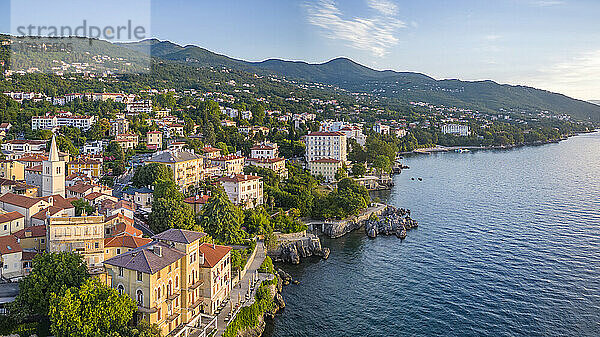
(508, 245)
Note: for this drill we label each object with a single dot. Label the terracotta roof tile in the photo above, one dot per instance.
(9, 245)
(213, 253)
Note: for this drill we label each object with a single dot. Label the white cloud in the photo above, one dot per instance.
(548, 3)
(384, 7)
(577, 77)
(375, 34)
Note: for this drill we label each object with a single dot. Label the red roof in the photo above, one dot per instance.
(325, 133)
(326, 160)
(210, 149)
(125, 240)
(37, 168)
(213, 254)
(10, 216)
(198, 199)
(262, 147)
(19, 200)
(228, 157)
(266, 160)
(35, 231)
(9, 245)
(239, 178)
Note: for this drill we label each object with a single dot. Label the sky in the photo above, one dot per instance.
(547, 44)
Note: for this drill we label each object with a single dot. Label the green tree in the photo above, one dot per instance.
(148, 174)
(171, 213)
(82, 205)
(50, 273)
(358, 170)
(90, 310)
(382, 164)
(340, 174)
(222, 219)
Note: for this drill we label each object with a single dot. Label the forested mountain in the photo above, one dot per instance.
(347, 74)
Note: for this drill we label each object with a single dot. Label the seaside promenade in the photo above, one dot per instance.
(245, 290)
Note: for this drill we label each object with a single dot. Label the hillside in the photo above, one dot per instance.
(349, 75)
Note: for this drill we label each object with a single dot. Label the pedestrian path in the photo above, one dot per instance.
(243, 293)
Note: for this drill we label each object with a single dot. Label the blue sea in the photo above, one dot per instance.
(508, 244)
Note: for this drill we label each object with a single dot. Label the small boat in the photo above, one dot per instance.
(462, 150)
(420, 179)
(412, 178)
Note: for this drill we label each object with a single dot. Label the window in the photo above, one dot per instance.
(118, 251)
(96, 245)
(121, 271)
(139, 276)
(140, 297)
(121, 289)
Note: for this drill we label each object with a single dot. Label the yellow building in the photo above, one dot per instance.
(33, 237)
(122, 243)
(187, 166)
(230, 164)
(216, 274)
(154, 140)
(13, 170)
(81, 234)
(164, 277)
(85, 165)
(275, 164)
(326, 167)
(11, 222)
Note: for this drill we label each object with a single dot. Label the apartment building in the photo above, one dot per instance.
(265, 151)
(456, 129)
(230, 164)
(10, 255)
(81, 234)
(85, 165)
(137, 107)
(119, 126)
(164, 277)
(25, 146)
(243, 190)
(187, 166)
(325, 144)
(52, 122)
(11, 222)
(325, 167)
(275, 164)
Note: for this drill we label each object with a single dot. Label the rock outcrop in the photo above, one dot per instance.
(294, 251)
(393, 221)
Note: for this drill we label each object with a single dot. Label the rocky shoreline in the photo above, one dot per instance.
(393, 221)
(279, 304)
(295, 250)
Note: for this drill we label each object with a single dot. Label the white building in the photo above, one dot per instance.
(456, 129)
(139, 107)
(51, 122)
(265, 151)
(382, 129)
(243, 190)
(326, 145)
(22, 146)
